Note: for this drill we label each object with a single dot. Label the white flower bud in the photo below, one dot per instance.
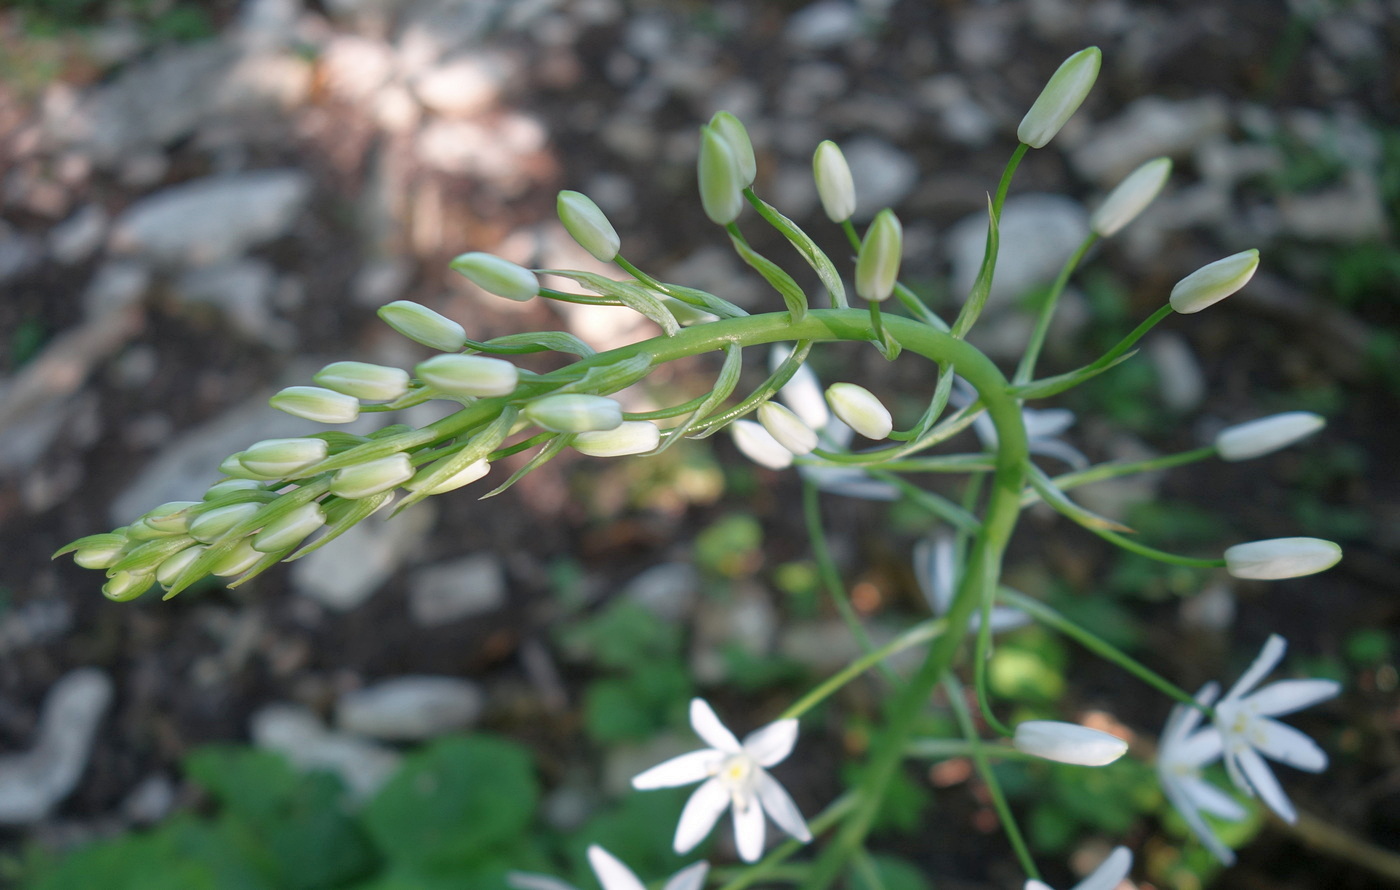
(1266, 435)
(373, 383)
(1214, 282)
(632, 437)
(126, 586)
(279, 458)
(316, 403)
(574, 413)
(469, 375)
(860, 410)
(237, 561)
(229, 486)
(169, 570)
(372, 477)
(100, 556)
(835, 186)
(734, 133)
(290, 530)
(1061, 97)
(497, 276)
(465, 476)
(759, 446)
(1131, 197)
(171, 518)
(877, 264)
(787, 428)
(588, 225)
(1279, 558)
(422, 325)
(1068, 743)
(211, 524)
(721, 186)
(230, 466)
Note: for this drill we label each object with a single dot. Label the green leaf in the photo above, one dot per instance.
(774, 274)
(819, 261)
(537, 341)
(982, 287)
(632, 295)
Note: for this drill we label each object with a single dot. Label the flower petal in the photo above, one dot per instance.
(683, 770)
(1267, 660)
(1110, 872)
(771, 744)
(708, 727)
(520, 880)
(1281, 742)
(749, 830)
(1045, 423)
(780, 808)
(851, 482)
(1205, 796)
(1287, 696)
(803, 393)
(1261, 778)
(1198, 826)
(935, 567)
(701, 813)
(1183, 718)
(612, 874)
(1198, 749)
(692, 877)
(1033, 884)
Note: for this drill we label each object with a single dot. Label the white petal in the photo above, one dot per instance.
(1278, 741)
(1268, 658)
(1199, 749)
(612, 874)
(759, 446)
(1183, 718)
(936, 565)
(519, 880)
(701, 813)
(1287, 696)
(1110, 872)
(850, 482)
(803, 393)
(1068, 743)
(780, 807)
(1205, 796)
(773, 743)
(1261, 778)
(692, 877)
(1198, 826)
(1060, 451)
(1237, 777)
(748, 831)
(1004, 619)
(683, 770)
(708, 727)
(1033, 884)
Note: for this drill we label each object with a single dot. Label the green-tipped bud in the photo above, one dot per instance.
(1280, 558)
(465, 476)
(229, 486)
(1068, 743)
(210, 525)
(237, 561)
(860, 410)
(574, 413)
(632, 437)
(373, 383)
(1212, 283)
(734, 132)
(372, 477)
(316, 403)
(100, 551)
(497, 276)
(230, 466)
(1061, 97)
(1266, 435)
(1131, 197)
(290, 530)
(469, 375)
(171, 568)
(759, 446)
(126, 586)
(139, 532)
(835, 186)
(721, 183)
(423, 325)
(280, 458)
(877, 264)
(787, 428)
(171, 518)
(588, 225)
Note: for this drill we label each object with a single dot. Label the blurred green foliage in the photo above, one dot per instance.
(159, 20)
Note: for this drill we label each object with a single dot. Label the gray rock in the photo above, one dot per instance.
(1179, 375)
(296, 734)
(668, 591)
(353, 68)
(116, 286)
(410, 709)
(883, 174)
(1348, 214)
(33, 624)
(32, 783)
(1038, 233)
(826, 646)
(77, 237)
(381, 281)
(347, 571)
(18, 253)
(746, 620)
(717, 270)
(150, 801)
(242, 292)
(823, 25)
(213, 219)
(1148, 128)
(448, 592)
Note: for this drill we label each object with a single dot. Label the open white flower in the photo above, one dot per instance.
(1248, 732)
(1183, 754)
(936, 568)
(731, 775)
(1108, 875)
(612, 874)
(1043, 428)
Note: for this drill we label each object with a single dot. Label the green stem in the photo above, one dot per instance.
(1152, 553)
(1026, 369)
(982, 655)
(665, 413)
(1137, 334)
(947, 749)
(914, 636)
(943, 463)
(935, 504)
(1114, 470)
(581, 299)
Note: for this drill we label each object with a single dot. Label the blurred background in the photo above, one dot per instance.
(203, 202)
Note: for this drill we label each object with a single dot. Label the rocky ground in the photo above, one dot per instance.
(185, 227)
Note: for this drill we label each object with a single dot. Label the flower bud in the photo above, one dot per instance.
(1214, 282)
(100, 554)
(1279, 558)
(230, 466)
(759, 446)
(632, 437)
(171, 518)
(372, 477)
(373, 383)
(786, 428)
(237, 561)
(835, 186)
(126, 586)
(229, 486)
(734, 133)
(877, 264)
(465, 476)
(290, 530)
(497, 276)
(316, 403)
(860, 410)
(1131, 197)
(469, 375)
(279, 458)
(170, 569)
(1266, 435)
(1061, 97)
(588, 225)
(1068, 743)
(423, 325)
(721, 185)
(210, 525)
(574, 413)
(685, 313)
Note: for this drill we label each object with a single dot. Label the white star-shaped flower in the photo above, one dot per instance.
(612, 874)
(1248, 732)
(1183, 753)
(1108, 875)
(937, 571)
(731, 775)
